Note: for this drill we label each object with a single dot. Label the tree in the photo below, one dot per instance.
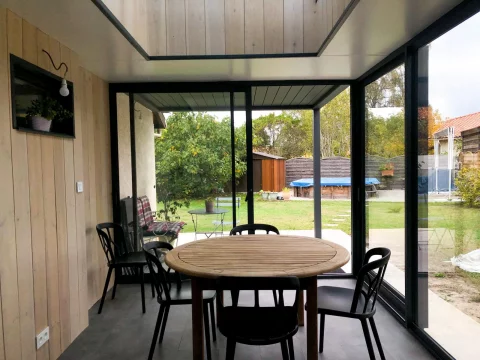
(387, 91)
(385, 137)
(193, 158)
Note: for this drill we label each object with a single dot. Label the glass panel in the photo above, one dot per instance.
(335, 170)
(448, 190)
(385, 171)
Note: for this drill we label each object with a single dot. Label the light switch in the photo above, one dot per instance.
(79, 186)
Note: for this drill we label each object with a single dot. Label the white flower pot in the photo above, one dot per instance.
(264, 196)
(40, 123)
(272, 196)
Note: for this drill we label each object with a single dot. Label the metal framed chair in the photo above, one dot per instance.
(238, 230)
(178, 294)
(358, 303)
(118, 258)
(255, 325)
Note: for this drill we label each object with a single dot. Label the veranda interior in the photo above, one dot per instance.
(52, 267)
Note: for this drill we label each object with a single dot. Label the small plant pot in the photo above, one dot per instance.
(209, 206)
(286, 195)
(387, 173)
(264, 196)
(40, 123)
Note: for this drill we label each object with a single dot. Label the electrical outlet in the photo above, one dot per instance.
(43, 337)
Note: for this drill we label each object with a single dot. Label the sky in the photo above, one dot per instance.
(454, 70)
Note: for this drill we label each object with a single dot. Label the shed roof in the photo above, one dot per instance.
(270, 156)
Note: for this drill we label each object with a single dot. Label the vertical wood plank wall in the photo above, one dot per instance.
(222, 27)
(52, 267)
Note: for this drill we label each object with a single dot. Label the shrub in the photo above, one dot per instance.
(468, 184)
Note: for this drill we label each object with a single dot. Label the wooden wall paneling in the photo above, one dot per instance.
(235, 26)
(134, 15)
(338, 8)
(293, 26)
(215, 27)
(37, 211)
(12, 331)
(157, 29)
(176, 37)
(273, 23)
(330, 15)
(90, 146)
(79, 78)
(312, 27)
(195, 27)
(254, 27)
(49, 205)
(62, 228)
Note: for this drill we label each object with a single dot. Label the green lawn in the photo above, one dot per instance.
(298, 215)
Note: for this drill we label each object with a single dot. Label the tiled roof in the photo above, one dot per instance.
(461, 123)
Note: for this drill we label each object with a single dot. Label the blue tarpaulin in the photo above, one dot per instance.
(324, 181)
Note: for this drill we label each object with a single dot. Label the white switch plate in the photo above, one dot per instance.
(79, 186)
(43, 337)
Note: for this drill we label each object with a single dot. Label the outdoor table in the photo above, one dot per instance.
(256, 255)
(216, 211)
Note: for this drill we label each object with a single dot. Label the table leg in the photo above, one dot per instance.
(197, 319)
(301, 309)
(312, 319)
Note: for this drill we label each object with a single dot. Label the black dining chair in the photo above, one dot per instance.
(238, 230)
(358, 303)
(169, 294)
(256, 325)
(253, 228)
(119, 258)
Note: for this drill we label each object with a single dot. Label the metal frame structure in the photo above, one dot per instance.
(408, 309)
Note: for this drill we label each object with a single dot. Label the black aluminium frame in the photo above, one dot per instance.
(408, 54)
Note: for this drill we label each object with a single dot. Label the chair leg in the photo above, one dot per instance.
(377, 338)
(164, 323)
(142, 287)
(115, 284)
(153, 288)
(107, 281)
(212, 320)
(322, 332)
(155, 332)
(290, 348)
(230, 349)
(206, 325)
(257, 298)
(283, 344)
(368, 339)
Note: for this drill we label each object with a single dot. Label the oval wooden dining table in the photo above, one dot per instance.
(257, 255)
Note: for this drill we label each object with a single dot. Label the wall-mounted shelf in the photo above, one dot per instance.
(30, 82)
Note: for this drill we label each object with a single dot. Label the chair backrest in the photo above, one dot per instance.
(237, 230)
(111, 248)
(158, 274)
(371, 274)
(236, 284)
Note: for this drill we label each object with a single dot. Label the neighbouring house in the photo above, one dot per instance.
(460, 124)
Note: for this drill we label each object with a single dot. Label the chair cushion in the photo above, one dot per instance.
(170, 228)
(337, 300)
(259, 325)
(135, 258)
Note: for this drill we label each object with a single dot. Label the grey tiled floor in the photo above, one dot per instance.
(123, 332)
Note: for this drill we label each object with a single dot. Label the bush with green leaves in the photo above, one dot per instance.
(468, 185)
(193, 159)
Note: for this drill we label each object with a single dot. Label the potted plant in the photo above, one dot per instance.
(43, 111)
(209, 204)
(272, 195)
(264, 194)
(286, 193)
(387, 170)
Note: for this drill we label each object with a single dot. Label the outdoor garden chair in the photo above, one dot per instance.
(256, 325)
(178, 294)
(119, 258)
(358, 303)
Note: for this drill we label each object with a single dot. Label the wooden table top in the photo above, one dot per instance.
(257, 255)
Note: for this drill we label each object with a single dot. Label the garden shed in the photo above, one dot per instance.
(268, 173)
